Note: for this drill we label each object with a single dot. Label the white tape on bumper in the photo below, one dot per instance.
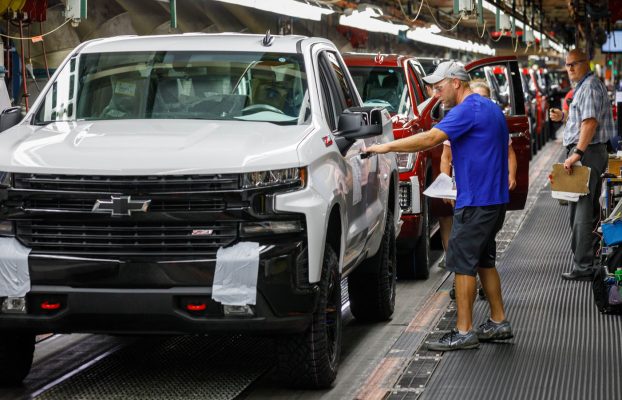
(235, 279)
(14, 274)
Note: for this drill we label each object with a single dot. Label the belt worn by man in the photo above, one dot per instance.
(589, 126)
(477, 130)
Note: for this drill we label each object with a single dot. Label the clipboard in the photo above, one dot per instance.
(578, 182)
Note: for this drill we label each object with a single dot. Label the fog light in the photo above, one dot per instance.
(14, 305)
(238, 311)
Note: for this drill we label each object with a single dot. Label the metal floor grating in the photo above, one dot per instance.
(186, 367)
(563, 347)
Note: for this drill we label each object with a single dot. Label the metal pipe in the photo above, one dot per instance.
(45, 56)
(24, 76)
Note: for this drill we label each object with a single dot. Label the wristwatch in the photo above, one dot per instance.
(579, 152)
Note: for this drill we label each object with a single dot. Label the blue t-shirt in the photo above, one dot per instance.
(479, 135)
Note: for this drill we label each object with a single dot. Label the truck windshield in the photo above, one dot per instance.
(380, 86)
(267, 87)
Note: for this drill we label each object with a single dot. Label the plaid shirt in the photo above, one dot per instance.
(590, 101)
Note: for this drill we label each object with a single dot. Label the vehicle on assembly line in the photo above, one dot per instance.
(504, 79)
(220, 186)
(538, 108)
(394, 81)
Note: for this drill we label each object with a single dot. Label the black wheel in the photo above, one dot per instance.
(372, 286)
(310, 359)
(16, 351)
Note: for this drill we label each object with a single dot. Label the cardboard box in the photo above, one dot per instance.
(615, 166)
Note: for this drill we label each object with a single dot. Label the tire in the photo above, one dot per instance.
(415, 262)
(16, 352)
(372, 286)
(310, 360)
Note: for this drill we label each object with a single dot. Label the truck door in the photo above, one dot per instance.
(503, 77)
(337, 98)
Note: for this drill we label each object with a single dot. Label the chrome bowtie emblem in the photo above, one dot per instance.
(119, 206)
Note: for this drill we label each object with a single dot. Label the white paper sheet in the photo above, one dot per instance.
(443, 188)
(235, 278)
(569, 196)
(14, 274)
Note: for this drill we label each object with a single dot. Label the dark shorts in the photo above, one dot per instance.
(472, 239)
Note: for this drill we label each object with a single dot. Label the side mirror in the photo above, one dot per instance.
(10, 117)
(357, 123)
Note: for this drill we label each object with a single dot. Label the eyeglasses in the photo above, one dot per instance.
(574, 64)
(438, 88)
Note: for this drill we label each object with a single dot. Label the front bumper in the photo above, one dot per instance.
(146, 296)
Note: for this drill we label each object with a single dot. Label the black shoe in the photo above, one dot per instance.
(453, 340)
(494, 331)
(575, 275)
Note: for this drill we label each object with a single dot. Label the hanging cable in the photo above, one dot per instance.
(43, 34)
(437, 23)
(483, 30)
(500, 36)
(406, 15)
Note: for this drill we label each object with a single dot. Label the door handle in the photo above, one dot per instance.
(367, 155)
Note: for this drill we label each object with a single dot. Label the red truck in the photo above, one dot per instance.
(394, 81)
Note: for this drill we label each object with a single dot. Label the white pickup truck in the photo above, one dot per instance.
(220, 186)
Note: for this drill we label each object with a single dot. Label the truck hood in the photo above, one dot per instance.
(150, 147)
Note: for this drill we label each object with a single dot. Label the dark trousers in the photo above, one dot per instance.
(584, 214)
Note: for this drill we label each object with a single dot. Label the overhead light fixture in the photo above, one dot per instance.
(366, 20)
(291, 8)
(519, 24)
(429, 36)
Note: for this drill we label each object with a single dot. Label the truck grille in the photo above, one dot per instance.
(120, 238)
(66, 204)
(127, 184)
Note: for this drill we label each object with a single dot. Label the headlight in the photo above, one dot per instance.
(270, 227)
(274, 177)
(405, 161)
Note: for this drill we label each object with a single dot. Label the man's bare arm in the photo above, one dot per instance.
(588, 129)
(411, 144)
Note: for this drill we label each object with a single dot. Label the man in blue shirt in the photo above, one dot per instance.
(478, 133)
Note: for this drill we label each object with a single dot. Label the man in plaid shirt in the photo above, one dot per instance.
(589, 126)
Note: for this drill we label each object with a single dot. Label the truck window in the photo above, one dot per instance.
(380, 86)
(262, 87)
(498, 78)
(331, 105)
(340, 76)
